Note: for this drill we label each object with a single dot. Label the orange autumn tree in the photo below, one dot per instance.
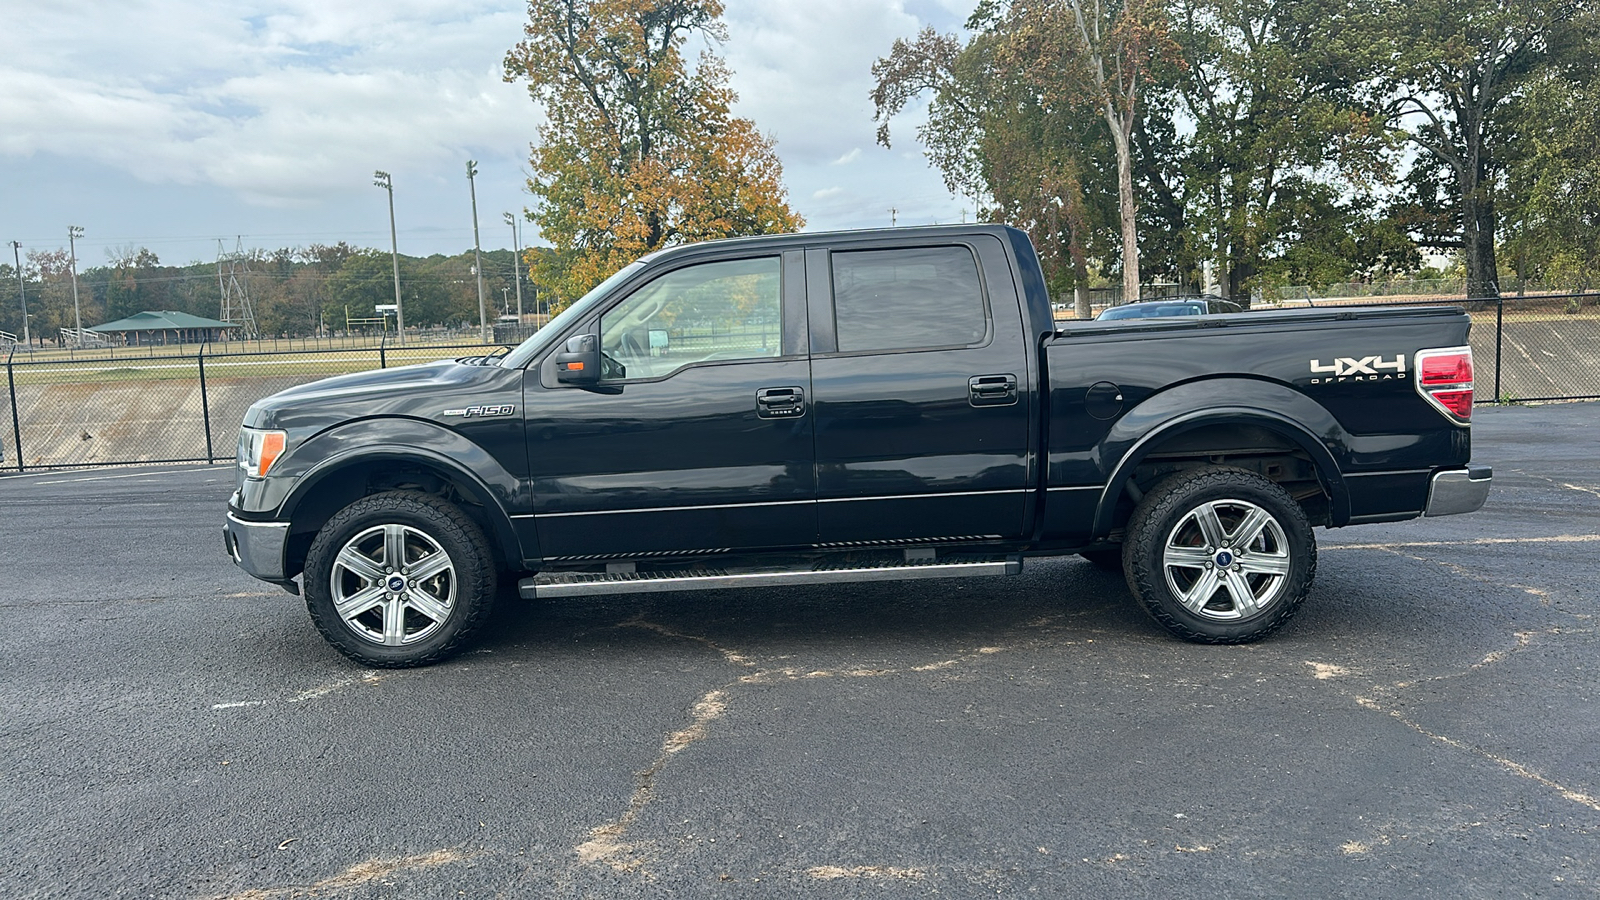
(639, 149)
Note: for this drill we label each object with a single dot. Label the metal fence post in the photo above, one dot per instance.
(205, 406)
(16, 422)
(383, 357)
(1499, 339)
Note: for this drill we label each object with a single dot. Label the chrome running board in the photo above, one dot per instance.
(590, 584)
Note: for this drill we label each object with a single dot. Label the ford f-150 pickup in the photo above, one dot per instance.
(849, 407)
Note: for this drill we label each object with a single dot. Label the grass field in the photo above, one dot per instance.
(65, 369)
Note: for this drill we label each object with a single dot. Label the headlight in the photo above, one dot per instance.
(258, 450)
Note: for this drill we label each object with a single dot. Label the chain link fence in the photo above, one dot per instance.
(103, 408)
(80, 409)
(1535, 347)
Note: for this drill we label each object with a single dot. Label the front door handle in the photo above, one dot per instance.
(992, 390)
(780, 403)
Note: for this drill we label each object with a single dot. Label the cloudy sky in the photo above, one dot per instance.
(169, 124)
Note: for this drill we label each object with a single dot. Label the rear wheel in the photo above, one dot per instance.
(1220, 555)
(399, 579)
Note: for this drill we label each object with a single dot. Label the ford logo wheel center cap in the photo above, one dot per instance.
(1224, 559)
(396, 583)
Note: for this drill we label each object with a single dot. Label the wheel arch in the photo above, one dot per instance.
(351, 472)
(1202, 434)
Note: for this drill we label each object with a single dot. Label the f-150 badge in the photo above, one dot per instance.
(484, 411)
(1367, 368)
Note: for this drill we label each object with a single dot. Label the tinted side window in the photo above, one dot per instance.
(903, 299)
(711, 311)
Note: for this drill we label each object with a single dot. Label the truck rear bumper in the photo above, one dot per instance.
(257, 547)
(1458, 490)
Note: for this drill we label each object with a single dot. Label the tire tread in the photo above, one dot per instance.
(451, 522)
(1158, 505)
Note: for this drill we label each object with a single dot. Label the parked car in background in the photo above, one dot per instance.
(1205, 304)
(1154, 309)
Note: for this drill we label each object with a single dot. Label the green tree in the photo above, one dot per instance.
(1009, 131)
(639, 149)
(52, 306)
(364, 280)
(1101, 55)
(134, 283)
(1025, 110)
(1451, 68)
(1119, 45)
(11, 299)
(1270, 87)
(1552, 223)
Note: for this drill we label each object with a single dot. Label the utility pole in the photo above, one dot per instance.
(477, 252)
(73, 233)
(516, 262)
(16, 254)
(382, 179)
(894, 217)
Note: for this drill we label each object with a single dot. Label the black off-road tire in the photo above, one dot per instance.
(1106, 560)
(422, 518)
(1157, 553)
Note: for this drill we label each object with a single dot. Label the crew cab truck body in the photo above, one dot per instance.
(847, 407)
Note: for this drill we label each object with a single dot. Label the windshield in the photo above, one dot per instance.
(519, 357)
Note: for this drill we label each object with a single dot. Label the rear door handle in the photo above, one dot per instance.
(992, 390)
(780, 402)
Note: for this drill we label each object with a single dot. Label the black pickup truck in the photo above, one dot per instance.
(848, 407)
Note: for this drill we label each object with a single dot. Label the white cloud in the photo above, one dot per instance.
(279, 108)
(804, 75)
(289, 105)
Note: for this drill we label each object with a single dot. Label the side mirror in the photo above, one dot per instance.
(579, 361)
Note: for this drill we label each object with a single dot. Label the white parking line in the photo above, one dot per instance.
(110, 477)
(1475, 542)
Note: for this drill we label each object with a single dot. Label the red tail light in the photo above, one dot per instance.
(1444, 377)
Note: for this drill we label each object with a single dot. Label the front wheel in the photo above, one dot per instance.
(1220, 555)
(399, 579)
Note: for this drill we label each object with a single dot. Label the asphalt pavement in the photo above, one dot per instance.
(1426, 727)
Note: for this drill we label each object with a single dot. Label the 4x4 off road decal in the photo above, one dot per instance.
(485, 411)
(1367, 368)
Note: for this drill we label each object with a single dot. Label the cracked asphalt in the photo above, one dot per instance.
(1427, 727)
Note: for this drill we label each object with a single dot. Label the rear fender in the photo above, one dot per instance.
(1264, 404)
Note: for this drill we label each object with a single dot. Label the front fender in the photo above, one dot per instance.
(1265, 404)
(320, 461)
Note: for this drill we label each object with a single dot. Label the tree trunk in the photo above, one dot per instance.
(1126, 209)
(1239, 273)
(1477, 237)
(1077, 228)
(1080, 290)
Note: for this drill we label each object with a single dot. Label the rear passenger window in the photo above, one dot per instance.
(906, 299)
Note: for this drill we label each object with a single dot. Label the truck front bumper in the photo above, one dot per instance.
(257, 547)
(1456, 491)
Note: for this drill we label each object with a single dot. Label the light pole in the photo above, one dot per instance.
(73, 233)
(16, 254)
(382, 179)
(516, 262)
(477, 251)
